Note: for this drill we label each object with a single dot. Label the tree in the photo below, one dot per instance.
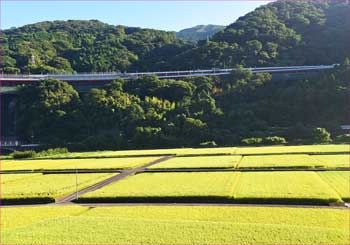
(321, 135)
(46, 111)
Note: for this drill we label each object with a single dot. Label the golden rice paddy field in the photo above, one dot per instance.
(174, 225)
(227, 175)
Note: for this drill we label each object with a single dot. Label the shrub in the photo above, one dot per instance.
(345, 138)
(275, 140)
(208, 144)
(252, 141)
(53, 151)
(321, 135)
(23, 154)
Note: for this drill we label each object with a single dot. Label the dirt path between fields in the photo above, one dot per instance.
(124, 174)
(160, 170)
(94, 205)
(261, 169)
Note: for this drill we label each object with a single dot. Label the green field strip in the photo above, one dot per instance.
(280, 161)
(297, 187)
(17, 217)
(174, 225)
(335, 161)
(199, 162)
(302, 149)
(117, 154)
(44, 188)
(208, 151)
(8, 178)
(192, 186)
(72, 164)
(277, 187)
(339, 181)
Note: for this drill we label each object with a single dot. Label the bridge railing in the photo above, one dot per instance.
(114, 75)
(10, 143)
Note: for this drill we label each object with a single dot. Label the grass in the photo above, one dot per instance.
(339, 181)
(293, 149)
(122, 153)
(66, 164)
(204, 151)
(208, 151)
(280, 161)
(43, 188)
(199, 162)
(339, 160)
(167, 186)
(140, 153)
(174, 225)
(284, 187)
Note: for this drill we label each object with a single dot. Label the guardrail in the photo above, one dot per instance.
(163, 74)
(10, 143)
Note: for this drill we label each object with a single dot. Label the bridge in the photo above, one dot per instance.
(11, 144)
(90, 80)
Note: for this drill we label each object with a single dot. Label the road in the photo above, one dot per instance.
(127, 173)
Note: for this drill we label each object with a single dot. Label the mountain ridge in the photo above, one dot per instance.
(199, 32)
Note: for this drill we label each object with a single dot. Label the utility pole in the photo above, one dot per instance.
(76, 183)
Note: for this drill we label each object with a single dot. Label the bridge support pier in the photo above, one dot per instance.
(8, 115)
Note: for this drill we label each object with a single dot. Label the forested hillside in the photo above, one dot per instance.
(280, 33)
(148, 112)
(86, 46)
(200, 32)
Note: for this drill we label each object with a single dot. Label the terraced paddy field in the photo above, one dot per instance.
(174, 225)
(286, 187)
(156, 152)
(281, 161)
(29, 188)
(209, 217)
(199, 162)
(314, 149)
(297, 187)
(213, 186)
(339, 160)
(122, 153)
(293, 149)
(72, 164)
(208, 151)
(339, 181)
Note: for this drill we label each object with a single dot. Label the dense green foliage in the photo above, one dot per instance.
(34, 154)
(200, 32)
(149, 112)
(321, 135)
(343, 138)
(23, 154)
(280, 33)
(81, 46)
